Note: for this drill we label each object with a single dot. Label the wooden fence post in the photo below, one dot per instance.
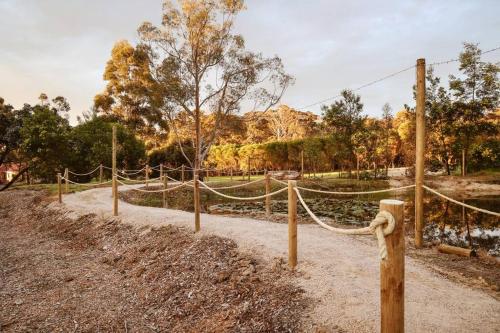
(248, 167)
(197, 207)
(115, 183)
(59, 187)
(357, 167)
(100, 173)
(302, 164)
(268, 198)
(66, 178)
(165, 186)
(147, 175)
(420, 151)
(182, 173)
(292, 224)
(161, 172)
(231, 173)
(392, 272)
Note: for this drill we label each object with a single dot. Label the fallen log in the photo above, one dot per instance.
(443, 248)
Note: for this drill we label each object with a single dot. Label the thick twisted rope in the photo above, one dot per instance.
(127, 173)
(242, 198)
(83, 174)
(239, 185)
(136, 180)
(86, 184)
(151, 191)
(173, 179)
(375, 226)
(460, 203)
(347, 193)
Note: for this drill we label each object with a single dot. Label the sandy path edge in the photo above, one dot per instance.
(340, 272)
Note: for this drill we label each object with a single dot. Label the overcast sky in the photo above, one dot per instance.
(60, 47)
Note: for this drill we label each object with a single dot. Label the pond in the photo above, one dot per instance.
(445, 221)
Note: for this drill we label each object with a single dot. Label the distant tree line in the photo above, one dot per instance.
(462, 120)
(39, 139)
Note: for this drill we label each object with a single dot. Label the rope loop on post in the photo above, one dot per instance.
(375, 227)
(382, 218)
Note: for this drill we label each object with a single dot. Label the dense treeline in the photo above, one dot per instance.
(462, 118)
(462, 122)
(40, 140)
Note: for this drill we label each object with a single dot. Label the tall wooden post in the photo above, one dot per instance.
(115, 183)
(161, 172)
(231, 172)
(268, 198)
(248, 167)
(66, 182)
(357, 166)
(101, 172)
(292, 224)
(165, 186)
(197, 207)
(302, 164)
(464, 168)
(392, 272)
(59, 187)
(182, 173)
(420, 150)
(147, 175)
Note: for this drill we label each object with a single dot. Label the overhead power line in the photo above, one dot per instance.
(361, 87)
(388, 77)
(455, 60)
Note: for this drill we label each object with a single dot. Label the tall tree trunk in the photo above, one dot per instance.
(447, 165)
(197, 162)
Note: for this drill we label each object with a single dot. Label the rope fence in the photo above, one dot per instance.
(84, 174)
(375, 226)
(242, 198)
(152, 191)
(164, 169)
(460, 203)
(85, 184)
(137, 180)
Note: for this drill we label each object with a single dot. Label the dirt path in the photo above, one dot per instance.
(340, 272)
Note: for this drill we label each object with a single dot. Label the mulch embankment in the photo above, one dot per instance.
(87, 274)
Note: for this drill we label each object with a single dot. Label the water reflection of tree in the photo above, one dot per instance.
(453, 225)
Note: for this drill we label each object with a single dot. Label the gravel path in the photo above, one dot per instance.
(340, 272)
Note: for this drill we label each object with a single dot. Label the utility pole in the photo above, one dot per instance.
(420, 150)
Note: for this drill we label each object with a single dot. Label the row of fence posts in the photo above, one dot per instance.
(392, 270)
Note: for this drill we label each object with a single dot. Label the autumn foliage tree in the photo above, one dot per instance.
(202, 67)
(130, 93)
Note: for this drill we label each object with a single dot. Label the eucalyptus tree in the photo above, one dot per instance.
(202, 67)
(440, 120)
(345, 120)
(476, 92)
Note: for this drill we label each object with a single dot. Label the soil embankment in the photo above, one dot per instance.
(88, 274)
